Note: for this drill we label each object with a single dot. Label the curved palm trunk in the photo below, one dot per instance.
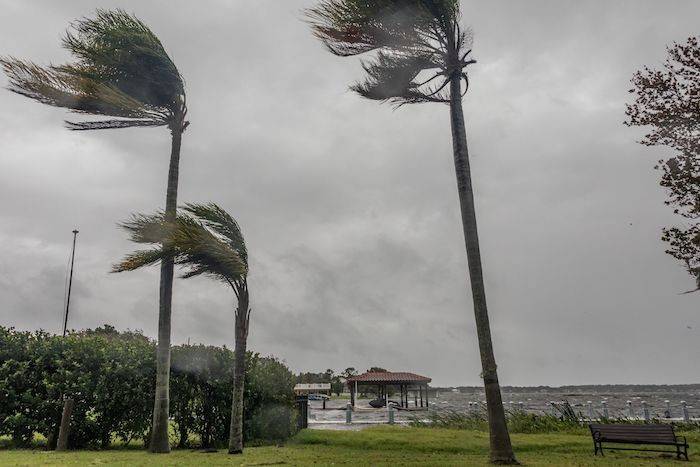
(501, 449)
(161, 408)
(235, 441)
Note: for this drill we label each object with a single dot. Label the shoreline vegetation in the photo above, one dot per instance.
(568, 420)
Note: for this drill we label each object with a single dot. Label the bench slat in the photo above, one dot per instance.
(635, 439)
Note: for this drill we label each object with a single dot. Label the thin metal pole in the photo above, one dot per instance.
(70, 284)
(68, 402)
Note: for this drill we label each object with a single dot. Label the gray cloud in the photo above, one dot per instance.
(350, 208)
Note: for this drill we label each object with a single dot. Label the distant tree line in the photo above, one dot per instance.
(110, 375)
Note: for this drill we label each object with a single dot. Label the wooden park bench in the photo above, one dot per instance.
(648, 434)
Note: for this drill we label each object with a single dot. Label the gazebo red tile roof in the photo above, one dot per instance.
(390, 377)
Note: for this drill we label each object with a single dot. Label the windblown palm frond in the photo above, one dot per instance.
(419, 45)
(393, 78)
(121, 70)
(204, 251)
(221, 222)
(139, 259)
(149, 229)
(204, 239)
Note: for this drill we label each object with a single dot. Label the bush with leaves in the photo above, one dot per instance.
(201, 379)
(201, 396)
(109, 375)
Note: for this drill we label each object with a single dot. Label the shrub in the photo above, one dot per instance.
(110, 375)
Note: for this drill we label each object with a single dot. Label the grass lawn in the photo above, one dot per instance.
(382, 445)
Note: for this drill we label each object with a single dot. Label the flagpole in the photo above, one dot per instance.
(70, 284)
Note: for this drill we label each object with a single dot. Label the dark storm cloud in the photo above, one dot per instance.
(349, 208)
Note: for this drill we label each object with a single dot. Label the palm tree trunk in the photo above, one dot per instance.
(161, 408)
(235, 442)
(501, 449)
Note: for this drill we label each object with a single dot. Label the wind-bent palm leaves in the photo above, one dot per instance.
(420, 55)
(121, 70)
(205, 240)
(419, 45)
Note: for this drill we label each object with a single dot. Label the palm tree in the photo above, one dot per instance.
(421, 56)
(206, 240)
(121, 71)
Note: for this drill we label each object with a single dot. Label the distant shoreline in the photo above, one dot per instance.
(582, 387)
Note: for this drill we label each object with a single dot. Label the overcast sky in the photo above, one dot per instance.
(350, 209)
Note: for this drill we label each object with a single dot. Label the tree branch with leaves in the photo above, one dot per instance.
(667, 103)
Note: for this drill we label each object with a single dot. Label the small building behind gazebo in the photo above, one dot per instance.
(312, 388)
(383, 380)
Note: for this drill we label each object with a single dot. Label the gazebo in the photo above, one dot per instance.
(382, 380)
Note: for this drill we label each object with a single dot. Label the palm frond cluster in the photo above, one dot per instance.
(420, 46)
(204, 239)
(121, 70)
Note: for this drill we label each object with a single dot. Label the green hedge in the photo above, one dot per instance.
(111, 376)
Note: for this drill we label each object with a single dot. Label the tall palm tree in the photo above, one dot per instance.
(206, 240)
(121, 71)
(421, 56)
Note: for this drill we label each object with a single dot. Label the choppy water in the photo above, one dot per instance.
(533, 400)
(538, 400)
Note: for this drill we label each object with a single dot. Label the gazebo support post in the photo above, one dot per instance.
(426, 396)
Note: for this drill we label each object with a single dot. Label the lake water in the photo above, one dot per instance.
(533, 400)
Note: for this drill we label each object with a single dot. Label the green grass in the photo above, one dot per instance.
(375, 446)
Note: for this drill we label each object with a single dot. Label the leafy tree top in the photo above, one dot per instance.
(419, 43)
(667, 100)
(121, 70)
